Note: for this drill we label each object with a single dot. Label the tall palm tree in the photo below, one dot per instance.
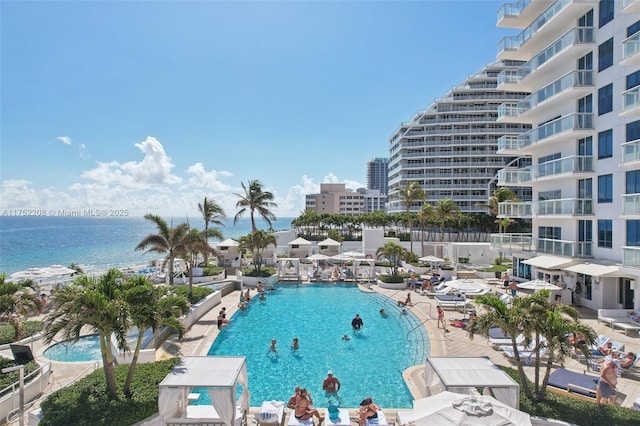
(169, 240)
(196, 244)
(18, 299)
(394, 253)
(426, 215)
(256, 242)
(211, 213)
(96, 304)
(255, 199)
(500, 195)
(446, 209)
(151, 307)
(409, 194)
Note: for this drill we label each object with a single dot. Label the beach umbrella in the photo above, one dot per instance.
(466, 285)
(431, 259)
(449, 408)
(537, 285)
(353, 254)
(318, 256)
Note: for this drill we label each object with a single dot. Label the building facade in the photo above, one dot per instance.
(582, 68)
(378, 175)
(450, 149)
(335, 198)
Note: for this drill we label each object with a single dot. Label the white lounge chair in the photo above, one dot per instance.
(380, 420)
(271, 414)
(293, 421)
(526, 356)
(497, 337)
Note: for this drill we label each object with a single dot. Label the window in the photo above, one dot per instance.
(605, 12)
(605, 55)
(605, 144)
(550, 232)
(585, 230)
(633, 28)
(633, 131)
(585, 188)
(605, 99)
(585, 104)
(605, 233)
(633, 80)
(632, 182)
(605, 189)
(633, 233)
(583, 286)
(585, 146)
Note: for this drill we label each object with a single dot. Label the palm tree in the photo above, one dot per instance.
(500, 195)
(394, 253)
(16, 300)
(254, 198)
(446, 209)
(151, 307)
(409, 194)
(169, 240)
(256, 242)
(96, 304)
(196, 244)
(211, 213)
(426, 215)
(77, 268)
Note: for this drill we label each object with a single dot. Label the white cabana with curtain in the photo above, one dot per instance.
(220, 376)
(289, 268)
(365, 269)
(329, 247)
(229, 252)
(466, 374)
(300, 248)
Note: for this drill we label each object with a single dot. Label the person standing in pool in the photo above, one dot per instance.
(272, 347)
(356, 322)
(331, 384)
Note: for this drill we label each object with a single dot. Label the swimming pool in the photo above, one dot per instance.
(369, 364)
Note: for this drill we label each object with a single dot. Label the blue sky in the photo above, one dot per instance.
(151, 106)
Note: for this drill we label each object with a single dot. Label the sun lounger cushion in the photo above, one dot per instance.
(380, 420)
(341, 419)
(449, 298)
(271, 413)
(297, 422)
(571, 381)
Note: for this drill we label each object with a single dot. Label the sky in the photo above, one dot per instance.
(135, 107)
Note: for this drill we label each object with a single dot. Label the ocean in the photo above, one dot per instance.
(96, 244)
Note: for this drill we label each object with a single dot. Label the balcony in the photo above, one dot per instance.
(570, 126)
(574, 164)
(631, 102)
(510, 112)
(564, 248)
(631, 51)
(631, 256)
(515, 210)
(630, 152)
(508, 145)
(630, 6)
(631, 204)
(512, 242)
(515, 177)
(565, 207)
(520, 14)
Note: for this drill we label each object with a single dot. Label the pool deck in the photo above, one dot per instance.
(454, 342)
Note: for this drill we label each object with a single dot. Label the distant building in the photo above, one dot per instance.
(450, 149)
(378, 175)
(373, 200)
(335, 198)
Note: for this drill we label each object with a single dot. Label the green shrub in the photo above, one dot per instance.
(198, 293)
(85, 403)
(463, 260)
(8, 333)
(392, 279)
(576, 411)
(10, 378)
(447, 268)
(212, 270)
(265, 272)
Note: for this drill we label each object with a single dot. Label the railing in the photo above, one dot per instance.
(515, 42)
(514, 176)
(631, 46)
(626, 3)
(630, 98)
(565, 206)
(571, 164)
(631, 151)
(564, 248)
(512, 9)
(631, 256)
(575, 121)
(511, 209)
(512, 242)
(631, 204)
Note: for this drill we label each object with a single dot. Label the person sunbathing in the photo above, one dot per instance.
(303, 410)
(368, 410)
(627, 361)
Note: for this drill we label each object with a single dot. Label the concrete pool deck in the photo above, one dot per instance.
(453, 343)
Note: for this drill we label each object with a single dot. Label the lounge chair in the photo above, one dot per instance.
(633, 369)
(521, 348)
(381, 420)
(271, 414)
(439, 290)
(405, 417)
(341, 418)
(526, 356)
(497, 337)
(208, 414)
(572, 384)
(293, 421)
(452, 301)
(626, 326)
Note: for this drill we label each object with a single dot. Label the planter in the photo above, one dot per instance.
(392, 286)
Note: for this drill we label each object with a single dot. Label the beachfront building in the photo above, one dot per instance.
(449, 149)
(582, 68)
(373, 200)
(378, 174)
(335, 198)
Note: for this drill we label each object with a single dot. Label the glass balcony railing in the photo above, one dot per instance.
(515, 42)
(576, 121)
(572, 164)
(578, 35)
(631, 204)
(630, 151)
(582, 78)
(631, 256)
(564, 248)
(508, 142)
(509, 110)
(631, 98)
(565, 206)
(631, 46)
(511, 209)
(511, 10)
(627, 3)
(512, 242)
(510, 76)
(514, 176)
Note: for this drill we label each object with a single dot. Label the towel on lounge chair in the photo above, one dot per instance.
(380, 420)
(271, 413)
(341, 418)
(293, 421)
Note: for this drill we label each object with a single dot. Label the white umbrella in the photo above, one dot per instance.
(448, 408)
(318, 256)
(537, 285)
(431, 259)
(342, 257)
(466, 285)
(353, 254)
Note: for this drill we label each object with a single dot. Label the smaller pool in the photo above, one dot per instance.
(87, 348)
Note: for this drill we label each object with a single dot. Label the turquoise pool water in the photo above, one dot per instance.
(369, 364)
(87, 348)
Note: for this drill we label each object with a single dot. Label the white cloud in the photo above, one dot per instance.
(82, 149)
(204, 179)
(64, 139)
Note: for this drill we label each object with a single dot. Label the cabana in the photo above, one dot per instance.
(329, 247)
(466, 374)
(219, 376)
(229, 252)
(300, 248)
(289, 268)
(365, 269)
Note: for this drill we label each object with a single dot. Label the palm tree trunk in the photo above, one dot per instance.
(107, 364)
(134, 361)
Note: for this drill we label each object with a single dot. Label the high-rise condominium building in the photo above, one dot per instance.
(378, 175)
(449, 149)
(582, 67)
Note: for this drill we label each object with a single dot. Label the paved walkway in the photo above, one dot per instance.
(455, 342)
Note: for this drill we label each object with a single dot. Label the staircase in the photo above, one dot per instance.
(466, 275)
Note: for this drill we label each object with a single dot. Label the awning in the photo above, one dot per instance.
(550, 262)
(593, 269)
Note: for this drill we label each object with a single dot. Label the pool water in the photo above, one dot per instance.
(369, 364)
(87, 348)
